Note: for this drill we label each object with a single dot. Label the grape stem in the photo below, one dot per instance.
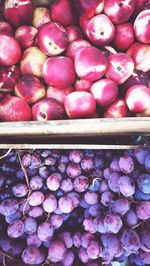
(5, 255)
(23, 169)
(6, 154)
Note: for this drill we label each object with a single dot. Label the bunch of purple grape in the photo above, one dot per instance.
(75, 207)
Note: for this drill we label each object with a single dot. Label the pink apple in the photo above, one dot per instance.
(119, 11)
(89, 8)
(10, 51)
(82, 85)
(140, 53)
(19, 12)
(90, 63)
(58, 94)
(80, 104)
(41, 16)
(62, 11)
(117, 109)
(120, 67)
(83, 22)
(30, 89)
(32, 62)
(48, 109)
(74, 33)
(75, 46)
(142, 27)
(9, 76)
(104, 91)
(138, 98)
(52, 39)
(14, 109)
(100, 30)
(25, 35)
(124, 36)
(5, 27)
(59, 72)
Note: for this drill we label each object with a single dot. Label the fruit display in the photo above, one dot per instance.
(74, 59)
(75, 207)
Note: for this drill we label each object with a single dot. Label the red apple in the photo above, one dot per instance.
(100, 30)
(30, 89)
(140, 53)
(19, 12)
(124, 36)
(146, 113)
(89, 8)
(75, 46)
(10, 51)
(119, 11)
(141, 5)
(52, 39)
(58, 94)
(5, 27)
(74, 33)
(32, 62)
(83, 22)
(138, 98)
(25, 35)
(90, 63)
(62, 11)
(104, 91)
(80, 104)
(14, 109)
(9, 76)
(82, 85)
(120, 67)
(142, 27)
(59, 72)
(117, 109)
(41, 16)
(48, 109)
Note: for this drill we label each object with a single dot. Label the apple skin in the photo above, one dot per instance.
(117, 109)
(75, 46)
(62, 11)
(13, 109)
(59, 72)
(41, 16)
(48, 109)
(10, 51)
(25, 35)
(80, 104)
(5, 27)
(30, 89)
(9, 76)
(58, 94)
(119, 11)
(19, 12)
(100, 30)
(32, 62)
(82, 85)
(124, 36)
(52, 39)
(120, 67)
(140, 54)
(138, 98)
(142, 27)
(141, 5)
(74, 33)
(90, 63)
(104, 91)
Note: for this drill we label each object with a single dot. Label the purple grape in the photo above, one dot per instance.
(75, 156)
(57, 251)
(16, 229)
(73, 170)
(24, 206)
(6, 244)
(144, 183)
(45, 153)
(9, 207)
(66, 204)
(20, 190)
(139, 195)
(45, 231)
(2, 181)
(91, 197)
(135, 259)
(36, 182)
(112, 244)
(58, 211)
(68, 259)
(74, 196)
(84, 204)
(130, 241)
(126, 164)
(34, 240)
(53, 181)
(113, 182)
(126, 185)
(120, 206)
(67, 238)
(83, 256)
(56, 220)
(87, 164)
(62, 168)
(50, 161)
(107, 172)
(95, 210)
(33, 255)
(113, 223)
(107, 197)
(143, 210)
(30, 225)
(66, 185)
(64, 159)
(93, 249)
(114, 166)
(36, 212)
(44, 172)
(81, 183)
(145, 257)
(98, 223)
(95, 186)
(141, 154)
(89, 226)
(77, 239)
(99, 162)
(50, 203)
(131, 218)
(145, 239)
(31, 161)
(36, 198)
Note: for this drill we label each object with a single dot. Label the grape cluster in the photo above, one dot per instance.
(74, 207)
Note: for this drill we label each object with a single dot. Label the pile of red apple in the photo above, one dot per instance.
(75, 59)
